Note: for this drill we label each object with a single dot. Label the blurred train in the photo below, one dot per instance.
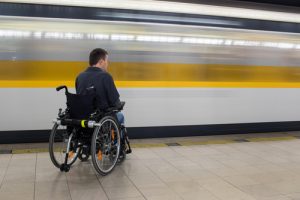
(178, 79)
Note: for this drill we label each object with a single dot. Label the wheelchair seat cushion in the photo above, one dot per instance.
(81, 106)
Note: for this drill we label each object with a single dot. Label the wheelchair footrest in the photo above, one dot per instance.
(128, 151)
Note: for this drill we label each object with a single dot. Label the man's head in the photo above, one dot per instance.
(99, 58)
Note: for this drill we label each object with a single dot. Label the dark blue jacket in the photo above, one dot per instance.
(96, 80)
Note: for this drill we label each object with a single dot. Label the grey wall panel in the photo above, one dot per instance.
(34, 109)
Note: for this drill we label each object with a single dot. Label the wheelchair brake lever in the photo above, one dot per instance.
(59, 112)
(95, 114)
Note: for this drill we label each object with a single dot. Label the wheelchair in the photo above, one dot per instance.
(82, 131)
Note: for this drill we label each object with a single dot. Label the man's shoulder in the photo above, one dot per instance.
(91, 74)
(105, 75)
(83, 73)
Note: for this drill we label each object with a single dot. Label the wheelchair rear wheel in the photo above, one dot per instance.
(58, 143)
(106, 144)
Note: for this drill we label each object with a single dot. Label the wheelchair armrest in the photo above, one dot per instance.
(122, 105)
(112, 109)
(116, 108)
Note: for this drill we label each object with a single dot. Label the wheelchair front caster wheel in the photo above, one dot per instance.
(65, 168)
(122, 157)
(83, 157)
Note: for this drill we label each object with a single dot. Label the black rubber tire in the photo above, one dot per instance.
(94, 143)
(51, 149)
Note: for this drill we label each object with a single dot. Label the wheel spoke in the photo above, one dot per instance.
(109, 146)
(58, 146)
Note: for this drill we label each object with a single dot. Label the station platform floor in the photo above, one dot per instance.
(231, 167)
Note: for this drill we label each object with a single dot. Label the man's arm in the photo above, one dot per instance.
(76, 85)
(112, 92)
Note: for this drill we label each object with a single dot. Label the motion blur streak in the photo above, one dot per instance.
(174, 7)
(52, 73)
(146, 54)
(169, 75)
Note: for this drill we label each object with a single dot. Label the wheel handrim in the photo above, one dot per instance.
(59, 146)
(107, 144)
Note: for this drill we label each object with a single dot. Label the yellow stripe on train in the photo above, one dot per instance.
(49, 74)
(154, 84)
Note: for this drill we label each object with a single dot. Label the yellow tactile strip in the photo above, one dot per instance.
(178, 143)
(262, 139)
(19, 151)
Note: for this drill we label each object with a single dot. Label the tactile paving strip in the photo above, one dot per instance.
(179, 143)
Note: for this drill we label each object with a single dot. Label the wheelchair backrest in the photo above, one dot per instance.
(81, 106)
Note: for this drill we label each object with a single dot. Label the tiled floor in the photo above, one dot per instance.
(235, 171)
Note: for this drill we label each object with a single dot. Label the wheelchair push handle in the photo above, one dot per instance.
(62, 87)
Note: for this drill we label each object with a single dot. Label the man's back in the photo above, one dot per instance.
(94, 79)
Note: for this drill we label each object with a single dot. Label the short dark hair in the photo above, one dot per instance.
(96, 55)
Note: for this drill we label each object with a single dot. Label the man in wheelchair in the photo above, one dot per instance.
(92, 124)
(96, 79)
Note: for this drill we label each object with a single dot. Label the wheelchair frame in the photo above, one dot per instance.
(83, 136)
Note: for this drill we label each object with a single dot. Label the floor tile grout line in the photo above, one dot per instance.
(168, 186)
(236, 187)
(244, 151)
(156, 176)
(68, 185)
(190, 158)
(179, 170)
(34, 184)
(232, 183)
(165, 183)
(134, 184)
(2, 181)
(160, 178)
(99, 181)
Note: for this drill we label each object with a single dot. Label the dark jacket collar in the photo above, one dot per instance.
(94, 69)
